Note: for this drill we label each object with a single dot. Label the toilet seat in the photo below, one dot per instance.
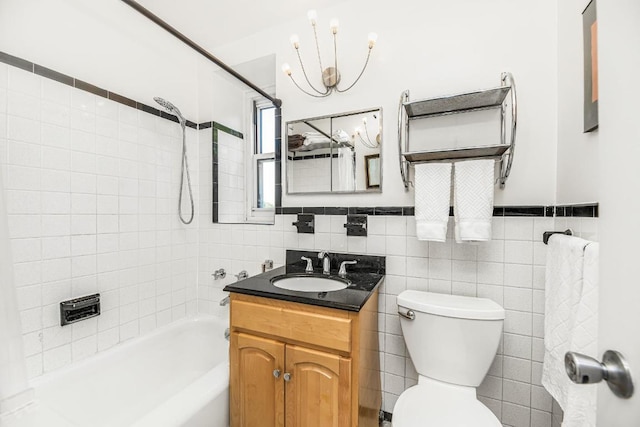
(435, 404)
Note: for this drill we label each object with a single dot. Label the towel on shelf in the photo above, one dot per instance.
(473, 200)
(432, 196)
(571, 323)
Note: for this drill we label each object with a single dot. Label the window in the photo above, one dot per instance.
(262, 170)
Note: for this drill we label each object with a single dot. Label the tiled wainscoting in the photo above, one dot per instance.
(509, 269)
(92, 193)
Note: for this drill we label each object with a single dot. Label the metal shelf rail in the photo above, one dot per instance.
(456, 104)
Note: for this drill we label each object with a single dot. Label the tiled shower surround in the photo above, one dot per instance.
(91, 189)
(92, 197)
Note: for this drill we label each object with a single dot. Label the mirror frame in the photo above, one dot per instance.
(284, 145)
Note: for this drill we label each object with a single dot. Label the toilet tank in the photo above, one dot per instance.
(451, 338)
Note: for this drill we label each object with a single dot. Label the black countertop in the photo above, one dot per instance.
(364, 278)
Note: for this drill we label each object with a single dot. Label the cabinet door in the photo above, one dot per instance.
(318, 390)
(257, 395)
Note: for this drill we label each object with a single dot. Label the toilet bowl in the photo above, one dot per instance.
(452, 341)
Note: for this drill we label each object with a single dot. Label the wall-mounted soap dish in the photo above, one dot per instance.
(75, 310)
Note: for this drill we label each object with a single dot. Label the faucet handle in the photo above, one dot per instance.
(323, 254)
(309, 268)
(343, 267)
(242, 275)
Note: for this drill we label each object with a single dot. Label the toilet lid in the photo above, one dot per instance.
(421, 406)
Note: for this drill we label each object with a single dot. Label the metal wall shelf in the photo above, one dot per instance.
(462, 103)
(456, 104)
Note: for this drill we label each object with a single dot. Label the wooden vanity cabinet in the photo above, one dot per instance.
(298, 365)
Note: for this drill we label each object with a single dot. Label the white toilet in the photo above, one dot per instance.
(452, 341)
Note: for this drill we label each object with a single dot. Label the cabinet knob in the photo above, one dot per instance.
(287, 377)
(276, 373)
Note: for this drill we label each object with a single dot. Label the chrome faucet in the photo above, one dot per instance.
(326, 262)
(309, 268)
(343, 267)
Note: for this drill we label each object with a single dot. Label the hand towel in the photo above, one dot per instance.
(432, 196)
(571, 323)
(473, 200)
(346, 170)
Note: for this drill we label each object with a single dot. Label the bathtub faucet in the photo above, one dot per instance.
(224, 301)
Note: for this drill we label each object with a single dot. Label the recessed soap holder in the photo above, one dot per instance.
(305, 223)
(356, 225)
(75, 310)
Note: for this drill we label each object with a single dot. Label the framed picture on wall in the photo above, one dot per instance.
(372, 168)
(590, 40)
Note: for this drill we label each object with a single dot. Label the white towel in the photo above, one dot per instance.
(432, 196)
(571, 324)
(346, 176)
(473, 200)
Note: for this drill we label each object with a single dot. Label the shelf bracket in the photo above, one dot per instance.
(505, 164)
(403, 131)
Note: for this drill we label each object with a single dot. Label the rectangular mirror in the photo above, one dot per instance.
(335, 154)
(245, 155)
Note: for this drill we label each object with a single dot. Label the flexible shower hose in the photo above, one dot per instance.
(185, 170)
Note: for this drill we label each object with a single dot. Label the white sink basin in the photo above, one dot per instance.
(309, 284)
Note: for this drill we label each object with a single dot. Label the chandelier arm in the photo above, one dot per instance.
(360, 75)
(365, 143)
(304, 72)
(335, 58)
(315, 35)
(308, 93)
(366, 131)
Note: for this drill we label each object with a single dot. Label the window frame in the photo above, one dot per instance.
(253, 106)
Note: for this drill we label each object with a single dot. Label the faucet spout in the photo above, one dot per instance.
(326, 262)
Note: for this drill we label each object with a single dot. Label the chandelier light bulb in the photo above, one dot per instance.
(286, 68)
(334, 24)
(295, 41)
(313, 16)
(373, 38)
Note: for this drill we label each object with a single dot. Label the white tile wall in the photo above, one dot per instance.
(92, 189)
(309, 175)
(508, 270)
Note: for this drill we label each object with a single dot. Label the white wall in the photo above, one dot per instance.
(578, 167)
(431, 48)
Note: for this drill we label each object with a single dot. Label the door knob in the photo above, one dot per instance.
(287, 377)
(614, 370)
(276, 373)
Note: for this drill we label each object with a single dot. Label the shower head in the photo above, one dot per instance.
(171, 109)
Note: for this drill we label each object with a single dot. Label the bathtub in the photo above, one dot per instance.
(176, 376)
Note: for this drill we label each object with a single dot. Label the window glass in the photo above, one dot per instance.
(266, 183)
(266, 130)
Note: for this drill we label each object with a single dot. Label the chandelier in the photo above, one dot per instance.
(330, 75)
(364, 136)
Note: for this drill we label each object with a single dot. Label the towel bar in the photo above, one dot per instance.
(547, 234)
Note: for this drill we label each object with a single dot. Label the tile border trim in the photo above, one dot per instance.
(87, 87)
(579, 210)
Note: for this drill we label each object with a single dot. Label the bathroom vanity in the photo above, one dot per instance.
(306, 358)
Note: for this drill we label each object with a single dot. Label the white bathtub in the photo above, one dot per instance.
(176, 376)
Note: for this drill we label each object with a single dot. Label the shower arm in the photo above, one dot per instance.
(193, 45)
